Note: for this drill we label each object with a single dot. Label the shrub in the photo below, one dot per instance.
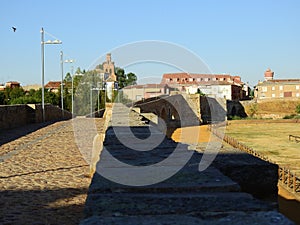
(298, 109)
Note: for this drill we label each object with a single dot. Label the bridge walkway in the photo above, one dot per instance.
(125, 188)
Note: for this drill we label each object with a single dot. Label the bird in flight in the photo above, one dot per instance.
(14, 29)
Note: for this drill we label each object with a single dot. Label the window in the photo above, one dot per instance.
(273, 88)
(280, 88)
(297, 95)
(264, 89)
(273, 95)
(297, 87)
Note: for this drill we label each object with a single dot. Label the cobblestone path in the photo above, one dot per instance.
(43, 176)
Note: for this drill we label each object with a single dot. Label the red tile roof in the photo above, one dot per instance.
(53, 84)
(140, 86)
(184, 78)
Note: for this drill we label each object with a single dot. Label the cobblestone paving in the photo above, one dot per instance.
(43, 176)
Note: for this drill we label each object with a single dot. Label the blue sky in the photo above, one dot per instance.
(238, 37)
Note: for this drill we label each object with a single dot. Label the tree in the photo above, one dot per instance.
(121, 76)
(2, 98)
(298, 109)
(131, 79)
(78, 71)
(16, 93)
(200, 92)
(125, 79)
(68, 77)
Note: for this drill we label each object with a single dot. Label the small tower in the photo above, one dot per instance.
(109, 67)
(269, 74)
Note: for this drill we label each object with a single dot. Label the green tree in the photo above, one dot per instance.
(298, 109)
(131, 79)
(2, 97)
(200, 92)
(68, 77)
(121, 77)
(78, 71)
(16, 93)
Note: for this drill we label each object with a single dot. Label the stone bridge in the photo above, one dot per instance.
(42, 175)
(183, 110)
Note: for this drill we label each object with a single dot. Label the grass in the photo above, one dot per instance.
(270, 139)
(280, 107)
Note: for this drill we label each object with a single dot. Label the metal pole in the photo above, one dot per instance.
(62, 84)
(98, 100)
(72, 91)
(43, 72)
(91, 95)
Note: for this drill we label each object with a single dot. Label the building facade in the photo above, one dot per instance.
(272, 88)
(53, 86)
(144, 91)
(212, 85)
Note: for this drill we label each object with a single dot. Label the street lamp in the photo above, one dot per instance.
(72, 101)
(43, 67)
(94, 89)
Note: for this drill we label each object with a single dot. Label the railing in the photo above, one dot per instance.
(287, 178)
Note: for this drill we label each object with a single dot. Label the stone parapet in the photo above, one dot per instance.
(12, 116)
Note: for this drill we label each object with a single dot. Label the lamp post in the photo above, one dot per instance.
(98, 100)
(43, 67)
(72, 94)
(62, 82)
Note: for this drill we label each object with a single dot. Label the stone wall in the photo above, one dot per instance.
(185, 110)
(12, 116)
(175, 110)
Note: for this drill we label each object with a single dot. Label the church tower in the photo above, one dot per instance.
(109, 68)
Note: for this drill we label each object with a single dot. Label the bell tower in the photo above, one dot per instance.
(109, 68)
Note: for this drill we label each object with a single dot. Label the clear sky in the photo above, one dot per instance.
(238, 37)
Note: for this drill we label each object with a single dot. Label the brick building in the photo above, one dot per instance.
(272, 88)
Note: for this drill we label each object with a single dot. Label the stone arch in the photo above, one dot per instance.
(176, 110)
(233, 111)
(163, 114)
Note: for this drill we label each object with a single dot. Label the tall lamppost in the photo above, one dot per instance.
(43, 67)
(62, 82)
(98, 99)
(72, 94)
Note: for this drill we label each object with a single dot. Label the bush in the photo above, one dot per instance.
(298, 109)
(292, 116)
